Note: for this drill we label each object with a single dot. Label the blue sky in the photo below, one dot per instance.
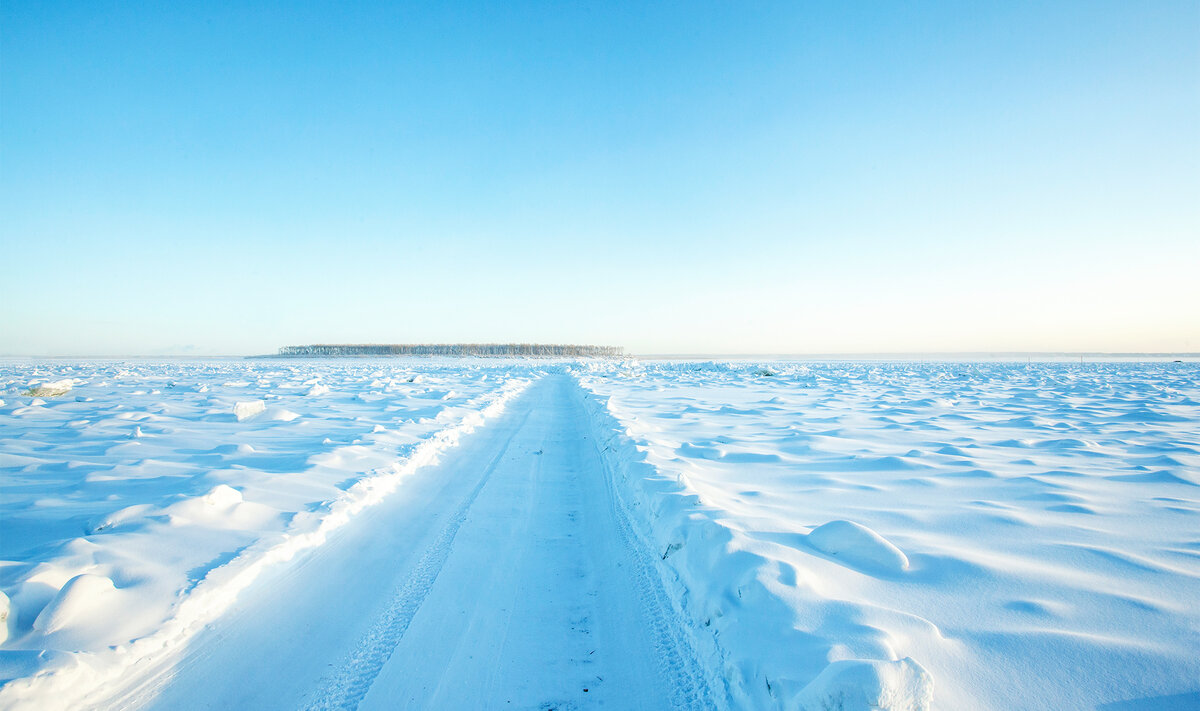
(671, 177)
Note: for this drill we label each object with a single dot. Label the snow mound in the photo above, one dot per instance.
(859, 546)
(223, 496)
(74, 602)
(221, 508)
(864, 685)
(281, 415)
(318, 389)
(239, 448)
(109, 521)
(246, 410)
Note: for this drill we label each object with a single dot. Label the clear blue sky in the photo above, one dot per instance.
(671, 177)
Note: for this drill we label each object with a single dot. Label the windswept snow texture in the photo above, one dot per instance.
(1002, 535)
(466, 533)
(130, 487)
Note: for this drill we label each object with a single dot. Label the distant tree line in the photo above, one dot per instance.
(454, 349)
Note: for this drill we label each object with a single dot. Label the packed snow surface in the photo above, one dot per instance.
(528, 534)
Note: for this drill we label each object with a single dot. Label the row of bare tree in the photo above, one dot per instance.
(454, 349)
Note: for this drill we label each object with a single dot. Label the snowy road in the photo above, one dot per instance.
(503, 577)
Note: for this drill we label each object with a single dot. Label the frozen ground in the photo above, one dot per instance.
(506, 534)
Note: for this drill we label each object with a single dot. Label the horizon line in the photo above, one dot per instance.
(899, 355)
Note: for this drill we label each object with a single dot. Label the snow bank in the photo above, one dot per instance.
(741, 629)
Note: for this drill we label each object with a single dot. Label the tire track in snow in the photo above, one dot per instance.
(347, 687)
(677, 661)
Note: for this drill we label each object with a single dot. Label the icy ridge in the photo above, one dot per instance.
(76, 679)
(741, 628)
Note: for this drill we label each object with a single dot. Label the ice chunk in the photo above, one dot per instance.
(54, 389)
(5, 615)
(246, 410)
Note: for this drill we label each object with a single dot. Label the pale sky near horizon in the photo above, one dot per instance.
(228, 178)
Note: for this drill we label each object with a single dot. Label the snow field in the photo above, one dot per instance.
(895, 535)
(501, 577)
(126, 529)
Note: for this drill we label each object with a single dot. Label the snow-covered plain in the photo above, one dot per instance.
(1029, 534)
(140, 498)
(405, 533)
